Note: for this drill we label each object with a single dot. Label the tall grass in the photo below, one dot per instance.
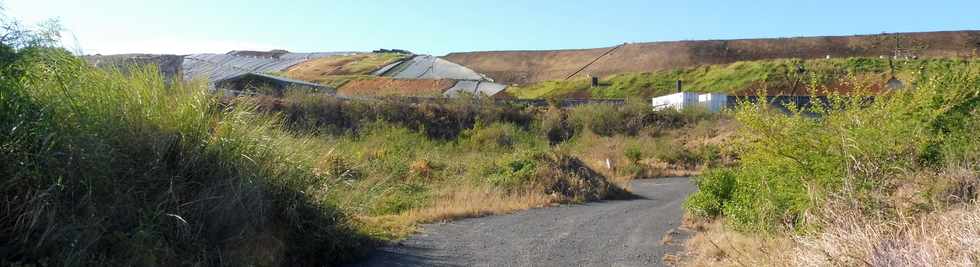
(852, 151)
(105, 169)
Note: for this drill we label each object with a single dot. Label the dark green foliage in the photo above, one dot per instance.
(557, 126)
(438, 118)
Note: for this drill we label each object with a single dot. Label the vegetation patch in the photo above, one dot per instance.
(381, 86)
(855, 182)
(777, 77)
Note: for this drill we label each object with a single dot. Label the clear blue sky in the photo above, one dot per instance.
(441, 26)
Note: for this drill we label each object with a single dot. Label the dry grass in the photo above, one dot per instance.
(713, 244)
(463, 202)
(359, 64)
(381, 86)
(947, 238)
(595, 150)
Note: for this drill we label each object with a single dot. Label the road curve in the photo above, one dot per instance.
(609, 233)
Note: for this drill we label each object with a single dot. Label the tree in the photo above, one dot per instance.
(14, 35)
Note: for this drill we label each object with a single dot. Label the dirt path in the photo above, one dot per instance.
(611, 233)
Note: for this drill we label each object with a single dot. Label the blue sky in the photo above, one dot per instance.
(441, 26)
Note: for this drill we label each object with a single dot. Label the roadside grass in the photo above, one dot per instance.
(715, 244)
(779, 75)
(888, 182)
(942, 238)
(102, 168)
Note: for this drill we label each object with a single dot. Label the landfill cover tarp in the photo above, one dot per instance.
(475, 88)
(213, 67)
(430, 67)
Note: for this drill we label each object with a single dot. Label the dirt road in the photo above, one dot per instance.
(611, 233)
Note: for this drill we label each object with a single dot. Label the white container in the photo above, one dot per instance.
(676, 101)
(714, 102)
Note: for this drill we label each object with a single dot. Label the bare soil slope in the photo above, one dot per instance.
(522, 67)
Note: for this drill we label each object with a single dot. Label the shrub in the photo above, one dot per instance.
(518, 169)
(557, 127)
(679, 155)
(634, 154)
(847, 147)
(715, 188)
(629, 119)
(497, 136)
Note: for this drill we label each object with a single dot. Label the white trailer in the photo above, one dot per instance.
(713, 102)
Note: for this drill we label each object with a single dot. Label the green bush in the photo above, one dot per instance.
(634, 154)
(520, 168)
(715, 189)
(849, 147)
(497, 137)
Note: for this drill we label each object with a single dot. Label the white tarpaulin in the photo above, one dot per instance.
(475, 88)
(430, 67)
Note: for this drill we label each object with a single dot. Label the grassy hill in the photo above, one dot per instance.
(337, 70)
(779, 75)
(524, 67)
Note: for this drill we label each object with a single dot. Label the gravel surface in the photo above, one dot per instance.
(610, 233)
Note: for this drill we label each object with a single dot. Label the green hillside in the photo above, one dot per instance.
(778, 74)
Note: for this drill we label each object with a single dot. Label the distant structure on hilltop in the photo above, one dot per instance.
(396, 51)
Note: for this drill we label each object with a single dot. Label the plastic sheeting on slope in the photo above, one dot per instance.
(430, 67)
(214, 67)
(475, 88)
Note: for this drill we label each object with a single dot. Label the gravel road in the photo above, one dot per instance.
(610, 233)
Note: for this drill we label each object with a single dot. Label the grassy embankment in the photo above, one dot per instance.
(105, 168)
(781, 75)
(335, 71)
(891, 182)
